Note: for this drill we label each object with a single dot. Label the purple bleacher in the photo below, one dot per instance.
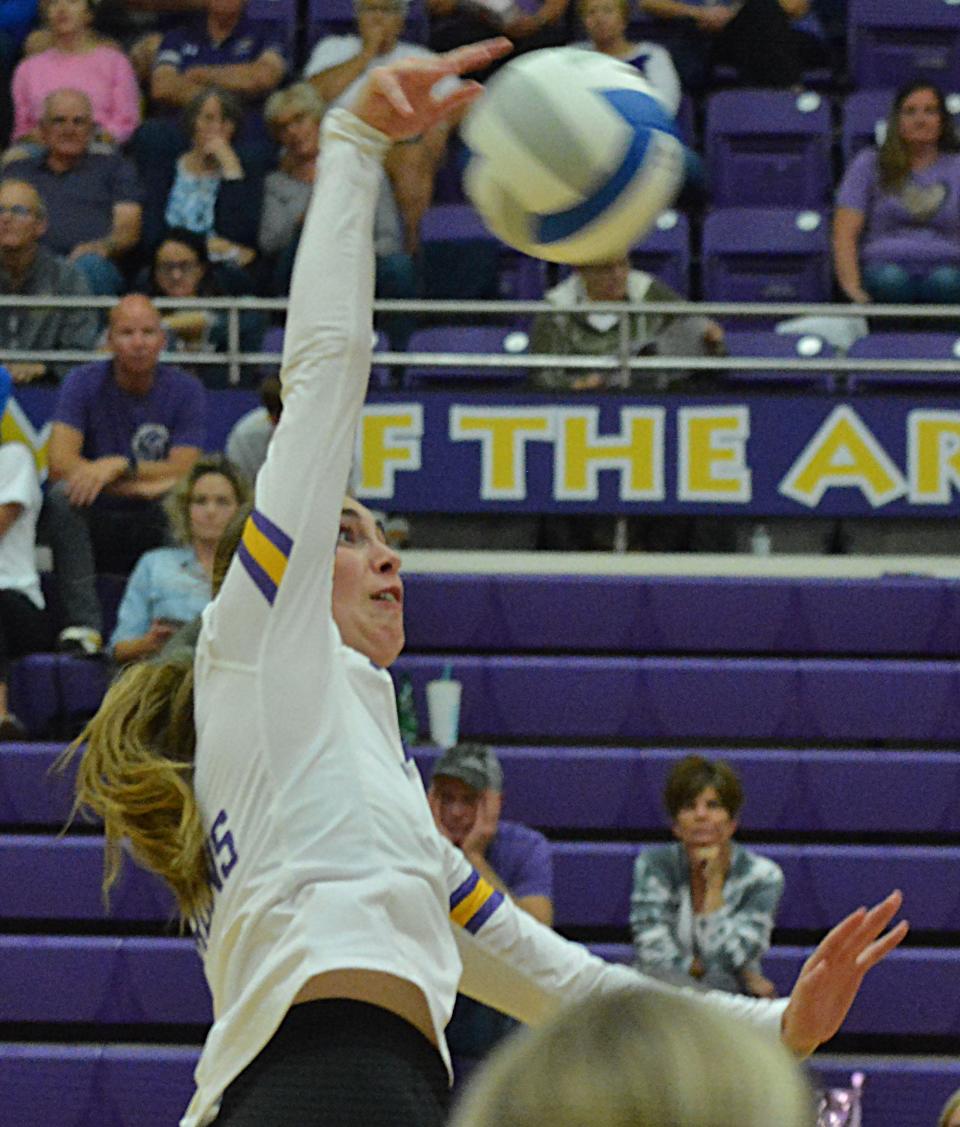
(104, 980)
(791, 346)
(903, 996)
(282, 13)
(620, 789)
(907, 1092)
(46, 688)
(623, 700)
(665, 251)
(768, 148)
(95, 1085)
(893, 615)
(498, 339)
(891, 43)
(593, 881)
(49, 878)
(863, 111)
(131, 982)
(766, 254)
(905, 346)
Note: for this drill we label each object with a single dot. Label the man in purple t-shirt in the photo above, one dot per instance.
(125, 431)
(466, 796)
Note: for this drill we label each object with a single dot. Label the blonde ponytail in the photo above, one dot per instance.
(135, 773)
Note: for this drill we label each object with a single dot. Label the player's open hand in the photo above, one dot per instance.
(398, 99)
(831, 977)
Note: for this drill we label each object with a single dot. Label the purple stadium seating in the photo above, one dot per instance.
(43, 878)
(768, 148)
(498, 339)
(95, 1085)
(49, 688)
(622, 700)
(665, 251)
(895, 615)
(863, 111)
(593, 880)
(890, 43)
(768, 343)
(900, 997)
(766, 254)
(619, 789)
(905, 346)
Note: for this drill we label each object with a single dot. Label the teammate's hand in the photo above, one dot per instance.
(831, 977)
(398, 100)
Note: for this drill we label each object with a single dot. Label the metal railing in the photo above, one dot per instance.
(623, 363)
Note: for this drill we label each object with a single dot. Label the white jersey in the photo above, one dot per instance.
(322, 848)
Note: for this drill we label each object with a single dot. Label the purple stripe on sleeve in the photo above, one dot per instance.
(464, 890)
(267, 586)
(480, 917)
(275, 535)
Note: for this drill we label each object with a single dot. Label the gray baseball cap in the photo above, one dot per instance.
(473, 764)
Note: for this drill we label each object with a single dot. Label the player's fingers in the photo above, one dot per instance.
(877, 919)
(386, 83)
(465, 93)
(882, 947)
(475, 56)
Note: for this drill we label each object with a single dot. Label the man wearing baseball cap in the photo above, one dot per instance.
(466, 795)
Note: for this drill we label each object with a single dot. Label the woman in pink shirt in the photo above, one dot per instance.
(76, 60)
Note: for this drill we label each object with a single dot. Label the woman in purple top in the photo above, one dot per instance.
(896, 229)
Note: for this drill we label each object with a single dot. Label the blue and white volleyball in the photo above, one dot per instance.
(572, 155)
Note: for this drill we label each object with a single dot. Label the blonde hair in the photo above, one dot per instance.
(301, 97)
(952, 1105)
(177, 503)
(135, 771)
(639, 1057)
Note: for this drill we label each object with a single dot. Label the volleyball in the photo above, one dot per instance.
(572, 156)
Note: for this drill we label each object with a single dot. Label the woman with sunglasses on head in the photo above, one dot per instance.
(267, 782)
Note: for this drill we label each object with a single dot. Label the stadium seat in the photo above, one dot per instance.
(766, 254)
(906, 346)
(508, 341)
(774, 345)
(891, 43)
(665, 251)
(768, 148)
(863, 120)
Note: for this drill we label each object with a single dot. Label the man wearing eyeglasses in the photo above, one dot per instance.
(93, 198)
(28, 268)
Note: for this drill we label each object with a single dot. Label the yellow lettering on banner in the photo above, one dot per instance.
(389, 438)
(844, 453)
(712, 454)
(503, 434)
(933, 456)
(636, 452)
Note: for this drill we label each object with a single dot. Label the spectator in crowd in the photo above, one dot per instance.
(336, 70)
(27, 268)
(141, 25)
(25, 625)
(16, 19)
(582, 333)
(639, 1059)
(221, 47)
(896, 227)
(531, 24)
(181, 268)
(769, 42)
(466, 796)
(76, 59)
(605, 22)
(213, 192)
(125, 431)
(293, 116)
(169, 587)
(950, 1116)
(704, 907)
(93, 199)
(249, 439)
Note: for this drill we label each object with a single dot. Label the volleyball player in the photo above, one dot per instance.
(268, 785)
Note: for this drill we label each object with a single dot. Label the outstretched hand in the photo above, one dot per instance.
(831, 977)
(398, 100)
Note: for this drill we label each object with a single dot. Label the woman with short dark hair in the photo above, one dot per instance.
(704, 906)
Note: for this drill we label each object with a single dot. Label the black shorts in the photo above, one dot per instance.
(338, 1063)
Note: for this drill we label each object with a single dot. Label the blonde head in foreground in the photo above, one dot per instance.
(639, 1060)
